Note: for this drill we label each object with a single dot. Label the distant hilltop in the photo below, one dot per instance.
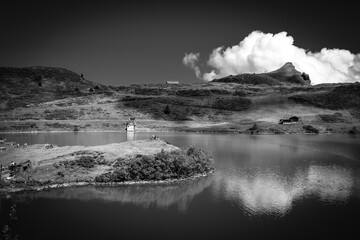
(287, 74)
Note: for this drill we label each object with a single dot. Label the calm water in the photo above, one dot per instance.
(274, 187)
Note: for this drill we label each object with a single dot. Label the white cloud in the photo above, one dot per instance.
(263, 52)
(191, 60)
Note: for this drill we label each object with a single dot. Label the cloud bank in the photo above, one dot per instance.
(264, 52)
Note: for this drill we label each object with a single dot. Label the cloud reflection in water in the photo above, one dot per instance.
(273, 192)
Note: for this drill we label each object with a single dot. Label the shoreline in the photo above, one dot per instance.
(152, 126)
(174, 131)
(10, 190)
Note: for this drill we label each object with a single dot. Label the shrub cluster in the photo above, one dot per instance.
(83, 161)
(310, 129)
(164, 165)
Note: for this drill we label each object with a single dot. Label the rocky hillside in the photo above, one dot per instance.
(20, 87)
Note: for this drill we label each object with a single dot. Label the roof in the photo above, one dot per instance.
(294, 117)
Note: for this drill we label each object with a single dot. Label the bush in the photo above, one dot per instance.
(353, 131)
(310, 129)
(86, 162)
(83, 161)
(167, 109)
(164, 165)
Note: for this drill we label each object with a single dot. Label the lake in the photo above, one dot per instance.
(264, 187)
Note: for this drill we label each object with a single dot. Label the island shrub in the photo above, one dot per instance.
(83, 161)
(86, 162)
(176, 164)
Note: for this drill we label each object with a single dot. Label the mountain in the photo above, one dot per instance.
(56, 99)
(30, 85)
(287, 74)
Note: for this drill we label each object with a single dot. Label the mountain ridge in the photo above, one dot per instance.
(287, 74)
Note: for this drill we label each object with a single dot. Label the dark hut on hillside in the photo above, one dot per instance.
(292, 120)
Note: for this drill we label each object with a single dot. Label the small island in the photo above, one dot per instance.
(41, 166)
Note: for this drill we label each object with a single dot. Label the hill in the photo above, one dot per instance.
(287, 74)
(20, 87)
(62, 100)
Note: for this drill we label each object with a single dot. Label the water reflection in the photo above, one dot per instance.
(273, 193)
(130, 136)
(160, 195)
(261, 175)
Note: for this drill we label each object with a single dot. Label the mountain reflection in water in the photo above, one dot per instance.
(145, 195)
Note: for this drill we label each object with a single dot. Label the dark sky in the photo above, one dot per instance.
(132, 42)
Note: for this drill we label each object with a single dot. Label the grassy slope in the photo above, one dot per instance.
(23, 86)
(203, 106)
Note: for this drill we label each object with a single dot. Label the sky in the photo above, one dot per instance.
(123, 43)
